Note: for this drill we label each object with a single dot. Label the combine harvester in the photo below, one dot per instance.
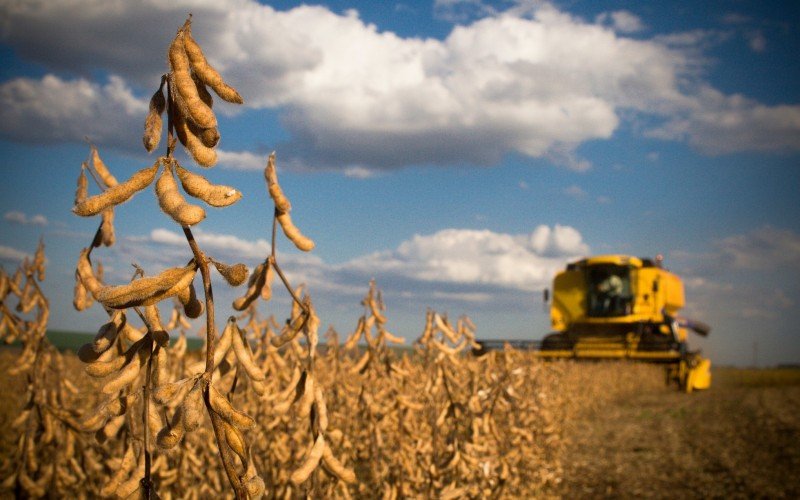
(620, 307)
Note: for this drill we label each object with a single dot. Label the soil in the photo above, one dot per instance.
(730, 441)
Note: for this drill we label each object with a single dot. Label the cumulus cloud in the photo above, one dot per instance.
(53, 109)
(479, 257)
(16, 217)
(531, 79)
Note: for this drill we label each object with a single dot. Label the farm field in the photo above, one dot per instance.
(619, 432)
(739, 439)
(270, 408)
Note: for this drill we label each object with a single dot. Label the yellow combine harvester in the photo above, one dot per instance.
(621, 307)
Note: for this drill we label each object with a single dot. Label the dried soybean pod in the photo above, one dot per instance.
(4, 288)
(129, 371)
(173, 203)
(102, 170)
(307, 399)
(171, 435)
(149, 290)
(290, 230)
(235, 440)
(86, 273)
(254, 286)
(192, 306)
(311, 462)
(111, 428)
(223, 408)
(153, 320)
(153, 122)
(282, 203)
(104, 339)
(335, 467)
(321, 409)
(234, 275)
(290, 331)
(107, 227)
(255, 487)
(82, 190)
(198, 111)
(129, 487)
(206, 72)
(116, 194)
(29, 486)
(266, 290)
(104, 364)
(39, 260)
(193, 408)
(392, 338)
(202, 154)
(167, 393)
(244, 356)
(80, 300)
(199, 187)
(361, 364)
(208, 136)
(128, 463)
(224, 343)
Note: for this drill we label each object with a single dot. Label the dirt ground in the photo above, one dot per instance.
(731, 441)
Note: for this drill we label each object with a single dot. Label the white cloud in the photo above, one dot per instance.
(241, 160)
(622, 21)
(531, 80)
(460, 11)
(358, 172)
(229, 245)
(575, 191)
(720, 124)
(479, 257)
(53, 109)
(20, 218)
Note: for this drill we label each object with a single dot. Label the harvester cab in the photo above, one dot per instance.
(622, 307)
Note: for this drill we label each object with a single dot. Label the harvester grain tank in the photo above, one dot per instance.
(622, 307)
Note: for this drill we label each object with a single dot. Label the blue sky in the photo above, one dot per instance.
(460, 152)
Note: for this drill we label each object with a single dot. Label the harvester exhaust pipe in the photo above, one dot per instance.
(698, 327)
